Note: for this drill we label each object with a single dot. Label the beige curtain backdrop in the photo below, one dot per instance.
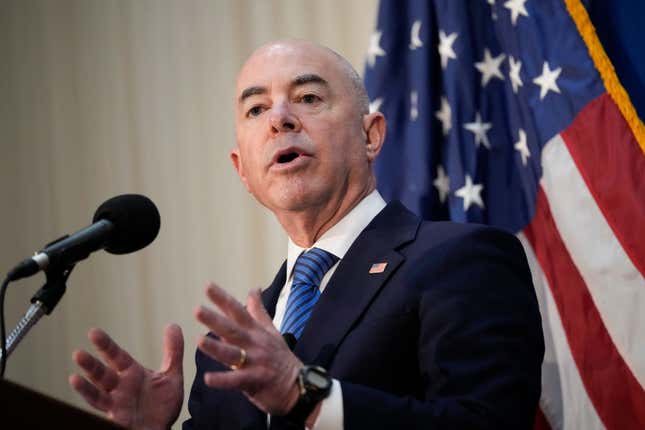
(104, 97)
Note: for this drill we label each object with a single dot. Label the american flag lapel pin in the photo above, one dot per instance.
(378, 267)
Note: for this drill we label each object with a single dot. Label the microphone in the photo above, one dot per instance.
(121, 225)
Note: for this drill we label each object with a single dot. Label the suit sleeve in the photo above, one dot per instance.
(200, 416)
(480, 344)
(215, 409)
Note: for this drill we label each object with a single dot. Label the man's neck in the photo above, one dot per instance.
(305, 227)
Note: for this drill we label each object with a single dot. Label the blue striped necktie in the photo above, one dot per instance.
(308, 271)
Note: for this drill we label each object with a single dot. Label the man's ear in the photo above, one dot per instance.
(374, 126)
(236, 158)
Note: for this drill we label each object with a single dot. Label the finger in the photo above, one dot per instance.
(229, 380)
(173, 349)
(256, 309)
(116, 357)
(229, 305)
(97, 372)
(222, 326)
(224, 353)
(92, 395)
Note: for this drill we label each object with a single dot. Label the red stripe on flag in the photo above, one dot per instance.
(613, 167)
(540, 421)
(614, 391)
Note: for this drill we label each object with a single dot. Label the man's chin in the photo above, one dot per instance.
(297, 200)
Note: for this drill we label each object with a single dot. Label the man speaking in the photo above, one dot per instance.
(375, 320)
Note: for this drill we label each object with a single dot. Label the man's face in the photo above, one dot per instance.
(300, 133)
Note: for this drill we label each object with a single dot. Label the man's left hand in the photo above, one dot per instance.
(265, 368)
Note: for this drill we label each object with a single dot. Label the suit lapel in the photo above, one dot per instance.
(352, 288)
(271, 294)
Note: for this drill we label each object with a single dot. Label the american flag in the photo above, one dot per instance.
(509, 113)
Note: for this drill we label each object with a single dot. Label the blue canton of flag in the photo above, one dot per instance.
(472, 90)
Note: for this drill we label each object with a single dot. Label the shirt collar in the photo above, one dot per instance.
(340, 237)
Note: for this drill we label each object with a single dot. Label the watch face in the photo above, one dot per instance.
(317, 380)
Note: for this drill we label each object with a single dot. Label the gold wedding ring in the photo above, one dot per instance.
(241, 361)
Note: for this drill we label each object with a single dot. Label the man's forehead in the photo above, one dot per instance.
(287, 61)
(295, 51)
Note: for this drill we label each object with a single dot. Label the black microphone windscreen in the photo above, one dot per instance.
(136, 221)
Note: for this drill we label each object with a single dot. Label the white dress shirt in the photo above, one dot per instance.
(337, 241)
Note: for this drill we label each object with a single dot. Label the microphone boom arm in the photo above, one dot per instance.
(42, 303)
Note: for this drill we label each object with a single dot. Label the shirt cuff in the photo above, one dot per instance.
(331, 410)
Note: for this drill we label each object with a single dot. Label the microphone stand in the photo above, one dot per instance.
(42, 303)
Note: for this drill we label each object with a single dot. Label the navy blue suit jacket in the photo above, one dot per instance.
(448, 336)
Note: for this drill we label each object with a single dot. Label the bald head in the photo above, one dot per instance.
(276, 49)
(358, 88)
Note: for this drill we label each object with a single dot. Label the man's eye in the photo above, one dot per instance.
(310, 98)
(254, 111)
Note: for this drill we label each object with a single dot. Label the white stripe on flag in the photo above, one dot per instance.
(616, 286)
(564, 400)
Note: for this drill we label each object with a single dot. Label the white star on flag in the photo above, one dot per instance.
(471, 193)
(514, 73)
(442, 183)
(375, 49)
(445, 47)
(489, 67)
(517, 8)
(445, 115)
(493, 14)
(375, 104)
(415, 40)
(414, 110)
(521, 146)
(547, 80)
(479, 128)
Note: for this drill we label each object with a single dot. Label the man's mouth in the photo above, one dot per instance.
(286, 158)
(289, 157)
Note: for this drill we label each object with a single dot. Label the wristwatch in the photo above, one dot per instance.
(314, 384)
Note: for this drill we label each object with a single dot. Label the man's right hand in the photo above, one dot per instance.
(131, 395)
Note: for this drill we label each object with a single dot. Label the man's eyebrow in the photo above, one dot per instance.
(309, 78)
(251, 91)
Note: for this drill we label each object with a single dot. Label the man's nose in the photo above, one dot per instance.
(282, 119)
